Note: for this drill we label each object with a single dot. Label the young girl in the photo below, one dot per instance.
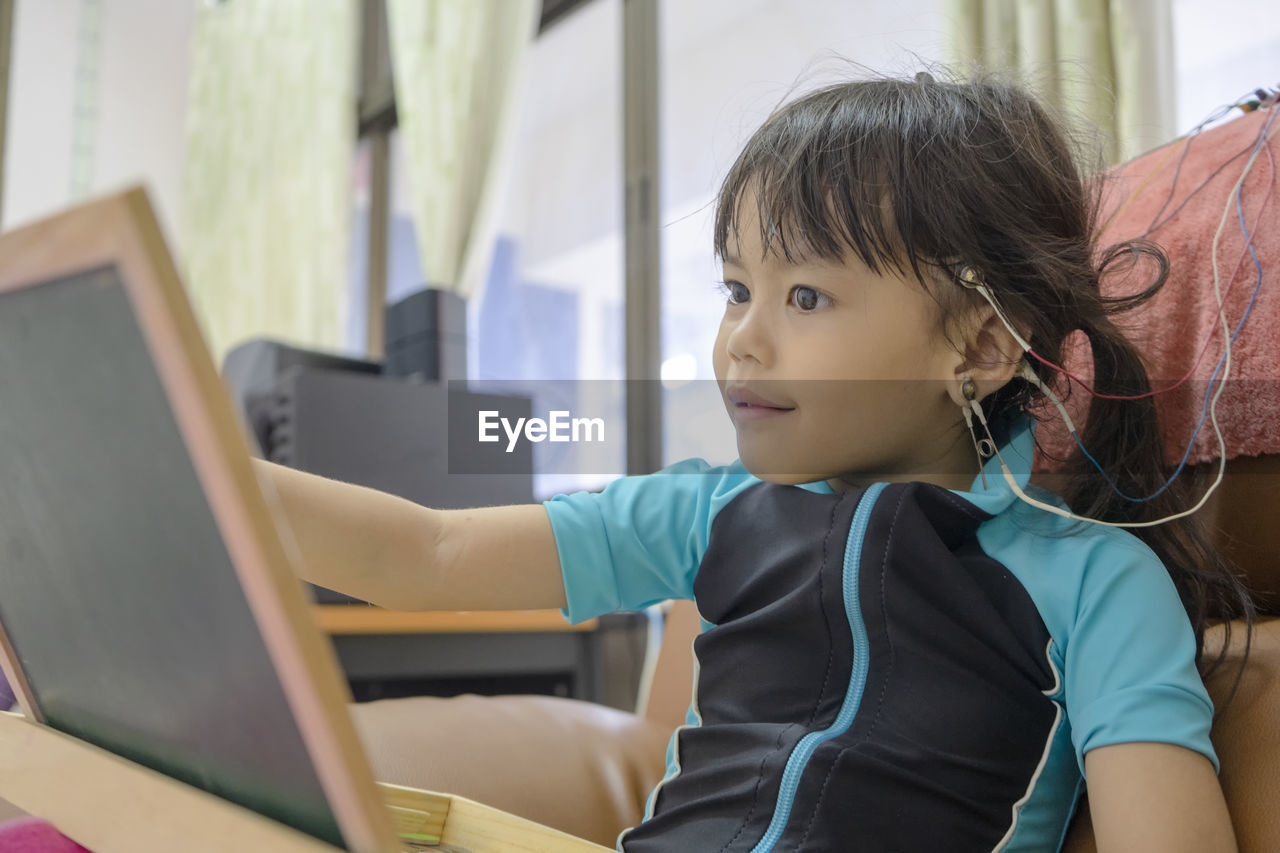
(899, 652)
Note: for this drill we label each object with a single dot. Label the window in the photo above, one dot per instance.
(1221, 51)
(356, 328)
(549, 321)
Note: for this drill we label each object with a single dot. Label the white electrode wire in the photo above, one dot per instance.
(1026, 372)
(983, 289)
(1213, 404)
(969, 278)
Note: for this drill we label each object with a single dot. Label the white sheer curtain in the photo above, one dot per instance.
(1108, 61)
(266, 191)
(456, 65)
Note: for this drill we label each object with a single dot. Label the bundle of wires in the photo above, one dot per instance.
(1260, 99)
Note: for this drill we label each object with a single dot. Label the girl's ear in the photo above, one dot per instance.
(990, 355)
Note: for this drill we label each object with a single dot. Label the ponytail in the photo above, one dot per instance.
(1125, 439)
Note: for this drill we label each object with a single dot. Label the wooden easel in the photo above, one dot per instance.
(109, 804)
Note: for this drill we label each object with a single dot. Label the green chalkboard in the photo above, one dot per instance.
(116, 590)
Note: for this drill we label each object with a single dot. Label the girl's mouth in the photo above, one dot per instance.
(753, 412)
(750, 406)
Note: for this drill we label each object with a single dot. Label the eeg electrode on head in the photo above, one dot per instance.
(986, 447)
(969, 277)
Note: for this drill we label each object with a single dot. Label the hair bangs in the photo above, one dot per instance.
(824, 180)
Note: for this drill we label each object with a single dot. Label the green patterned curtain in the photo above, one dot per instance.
(456, 65)
(266, 210)
(1108, 61)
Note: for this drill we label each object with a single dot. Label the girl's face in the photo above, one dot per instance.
(832, 372)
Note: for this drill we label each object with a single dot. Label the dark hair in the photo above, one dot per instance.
(924, 178)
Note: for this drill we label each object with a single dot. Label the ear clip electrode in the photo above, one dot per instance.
(968, 277)
(985, 448)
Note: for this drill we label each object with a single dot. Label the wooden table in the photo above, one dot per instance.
(358, 619)
(382, 647)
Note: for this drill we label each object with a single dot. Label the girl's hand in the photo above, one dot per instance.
(398, 554)
(1156, 797)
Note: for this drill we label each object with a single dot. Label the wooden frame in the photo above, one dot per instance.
(110, 804)
(122, 231)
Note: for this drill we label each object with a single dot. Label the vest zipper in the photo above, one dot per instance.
(808, 744)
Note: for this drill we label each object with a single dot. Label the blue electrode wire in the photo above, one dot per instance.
(1243, 102)
(1261, 140)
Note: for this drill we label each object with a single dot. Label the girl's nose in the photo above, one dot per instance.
(750, 337)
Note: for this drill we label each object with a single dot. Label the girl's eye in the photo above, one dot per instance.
(808, 299)
(736, 292)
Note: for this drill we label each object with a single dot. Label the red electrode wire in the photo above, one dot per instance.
(1230, 283)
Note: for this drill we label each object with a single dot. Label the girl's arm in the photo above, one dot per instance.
(1156, 797)
(398, 554)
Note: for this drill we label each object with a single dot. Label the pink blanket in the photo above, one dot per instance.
(1141, 198)
(33, 835)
